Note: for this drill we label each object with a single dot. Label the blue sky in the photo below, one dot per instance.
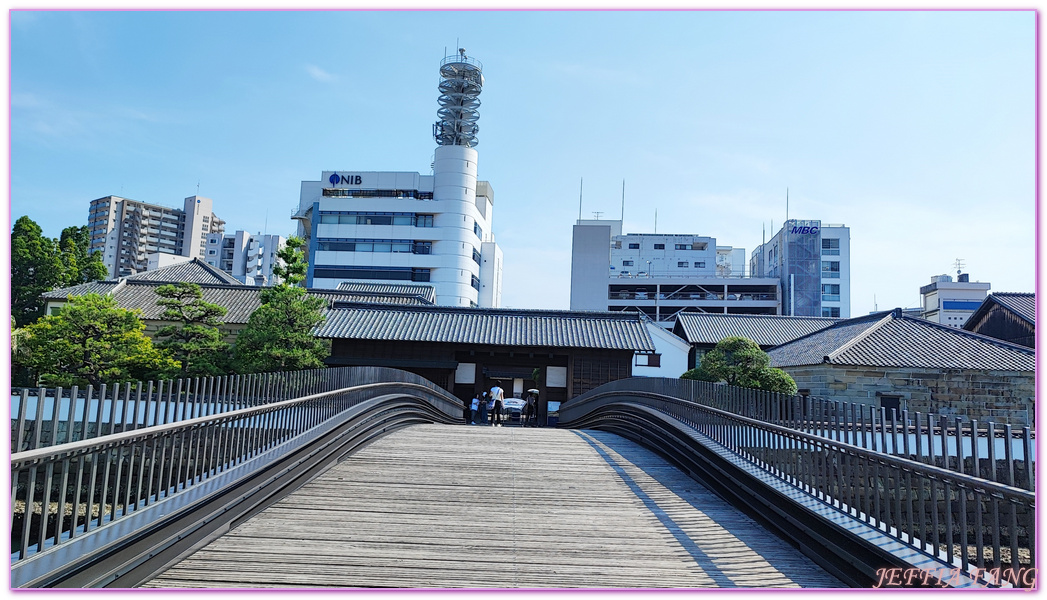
(916, 129)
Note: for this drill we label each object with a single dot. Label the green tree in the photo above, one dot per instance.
(79, 264)
(35, 268)
(776, 380)
(740, 361)
(279, 334)
(292, 266)
(194, 339)
(93, 341)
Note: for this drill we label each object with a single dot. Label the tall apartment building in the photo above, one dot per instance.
(662, 275)
(381, 226)
(126, 231)
(952, 302)
(812, 262)
(248, 258)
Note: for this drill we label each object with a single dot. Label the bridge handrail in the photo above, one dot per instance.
(891, 493)
(104, 480)
(924, 436)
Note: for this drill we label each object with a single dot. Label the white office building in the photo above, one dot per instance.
(127, 232)
(249, 258)
(812, 261)
(387, 227)
(662, 275)
(952, 302)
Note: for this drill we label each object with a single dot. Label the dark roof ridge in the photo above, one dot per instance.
(496, 311)
(982, 337)
(843, 323)
(735, 315)
(891, 315)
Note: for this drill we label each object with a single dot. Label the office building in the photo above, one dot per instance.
(812, 261)
(126, 231)
(387, 227)
(952, 302)
(662, 275)
(248, 258)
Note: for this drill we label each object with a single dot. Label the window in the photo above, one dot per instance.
(831, 246)
(424, 248)
(634, 246)
(352, 245)
(479, 232)
(212, 252)
(389, 273)
(627, 263)
(830, 269)
(683, 246)
(682, 263)
(648, 360)
(831, 311)
(369, 218)
(659, 246)
(473, 281)
(699, 265)
(423, 221)
(831, 292)
(476, 256)
(213, 240)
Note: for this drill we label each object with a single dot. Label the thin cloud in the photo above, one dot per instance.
(319, 74)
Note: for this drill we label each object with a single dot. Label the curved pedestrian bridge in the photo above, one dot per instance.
(445, 506)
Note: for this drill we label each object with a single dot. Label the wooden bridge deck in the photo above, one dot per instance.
(466, 507)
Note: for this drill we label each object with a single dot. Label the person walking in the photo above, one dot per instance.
(483, 408)
(528, 411)
(497, 395)
(474, 407)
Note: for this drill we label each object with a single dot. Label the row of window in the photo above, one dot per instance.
(344, 193)
(831, 311)
(384, 273)
(406, 246)
(636, 246)
(376, 218)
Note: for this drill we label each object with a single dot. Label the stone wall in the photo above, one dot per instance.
(1003, 396)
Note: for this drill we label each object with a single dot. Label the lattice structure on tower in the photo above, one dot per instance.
(461, 81)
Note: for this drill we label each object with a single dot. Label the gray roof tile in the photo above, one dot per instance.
(494, 327)
(426, 292)
(888, 339)
(765, 330)
(1021, 304)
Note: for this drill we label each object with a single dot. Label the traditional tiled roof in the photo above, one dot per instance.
(488, 326)
(1023, 305)
(190, 271)
(95, 287)
(239, 300)
(889, 339)
(426, 292)
(765, 330)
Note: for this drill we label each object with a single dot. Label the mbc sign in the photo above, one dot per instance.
(811, 230)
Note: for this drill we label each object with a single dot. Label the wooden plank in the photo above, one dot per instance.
(456, 506)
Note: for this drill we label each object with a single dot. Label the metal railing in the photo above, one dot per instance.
(170, 449)
(985, 529)
(1000, 452)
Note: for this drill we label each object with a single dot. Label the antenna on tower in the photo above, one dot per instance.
(786, 204)
(597, 214)
(959, 265)
(656, 220)
(581, 181)
(623, 200)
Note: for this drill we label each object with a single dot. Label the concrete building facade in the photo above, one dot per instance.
(387, 227)
(950, 302)
(127, 231)
(812, 261)
(248, 258)
(662, 275)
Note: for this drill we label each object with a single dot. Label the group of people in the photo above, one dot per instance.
(490, 406)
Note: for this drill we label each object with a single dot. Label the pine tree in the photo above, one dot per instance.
(93, 341)
(194, 339)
